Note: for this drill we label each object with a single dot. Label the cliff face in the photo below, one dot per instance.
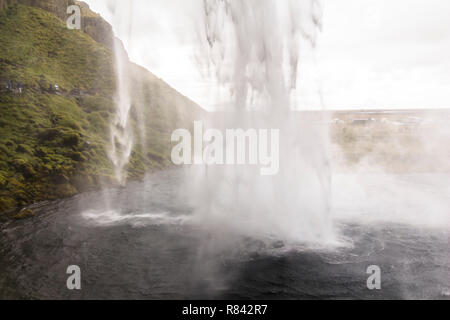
(55, 144)
(57, 7)
(95, 26)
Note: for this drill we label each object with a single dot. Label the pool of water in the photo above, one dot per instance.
(142, 242)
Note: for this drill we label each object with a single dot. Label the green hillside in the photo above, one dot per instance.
(54, 144)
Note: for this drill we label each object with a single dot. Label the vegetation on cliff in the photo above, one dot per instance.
(54, 143)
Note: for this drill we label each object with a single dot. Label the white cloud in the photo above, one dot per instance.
(371, 53)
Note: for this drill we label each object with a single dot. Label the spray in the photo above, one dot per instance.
(251, 49)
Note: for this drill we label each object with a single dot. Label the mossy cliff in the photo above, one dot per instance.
(54, 144)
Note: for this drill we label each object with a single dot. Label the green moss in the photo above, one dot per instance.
(7, 203)
(3, 180)
(23, 148)
(71, 139)
(96, 103)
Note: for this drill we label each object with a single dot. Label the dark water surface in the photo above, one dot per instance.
(147, 249)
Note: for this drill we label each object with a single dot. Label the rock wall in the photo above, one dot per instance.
(95, 26)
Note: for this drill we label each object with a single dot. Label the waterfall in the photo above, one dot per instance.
(120, 127)
(251, 49)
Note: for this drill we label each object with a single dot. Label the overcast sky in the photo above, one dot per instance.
(370, 53)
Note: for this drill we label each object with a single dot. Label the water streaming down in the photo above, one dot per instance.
(120, 127)
(251, 48)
